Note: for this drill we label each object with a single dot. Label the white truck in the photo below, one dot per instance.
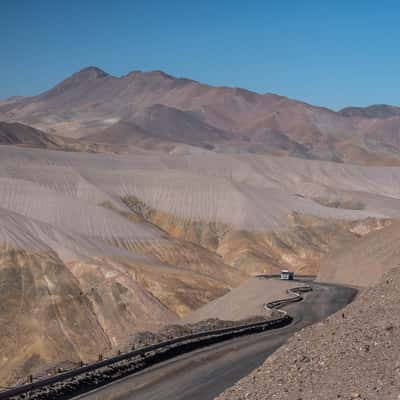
(287, 275)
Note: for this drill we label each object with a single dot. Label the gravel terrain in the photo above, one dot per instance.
(354, 354)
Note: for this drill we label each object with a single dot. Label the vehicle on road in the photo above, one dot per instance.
(287, 275)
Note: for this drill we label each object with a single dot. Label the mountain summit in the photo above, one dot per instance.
(90, 72)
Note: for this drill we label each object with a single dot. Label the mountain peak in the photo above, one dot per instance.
(91, 71)
(81, 78)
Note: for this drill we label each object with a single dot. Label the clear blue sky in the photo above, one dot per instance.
(330, 53)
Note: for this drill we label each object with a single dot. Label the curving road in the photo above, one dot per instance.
(204, 373)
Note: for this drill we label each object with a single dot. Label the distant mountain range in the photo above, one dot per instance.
(155, 110)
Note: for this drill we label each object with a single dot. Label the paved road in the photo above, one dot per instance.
(203, 374)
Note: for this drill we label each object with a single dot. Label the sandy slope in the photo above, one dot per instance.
(288, 184)
(245, 301)
(363, 261)
(227, 204)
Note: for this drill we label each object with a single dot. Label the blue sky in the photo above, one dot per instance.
(329, 53)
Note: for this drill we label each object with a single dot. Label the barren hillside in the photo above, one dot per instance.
(363, 261)
(353, 354)
(68, 248)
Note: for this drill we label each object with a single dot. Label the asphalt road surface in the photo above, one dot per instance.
(204, 373)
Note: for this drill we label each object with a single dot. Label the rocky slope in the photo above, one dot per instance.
(183, 111)
(353, 354)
